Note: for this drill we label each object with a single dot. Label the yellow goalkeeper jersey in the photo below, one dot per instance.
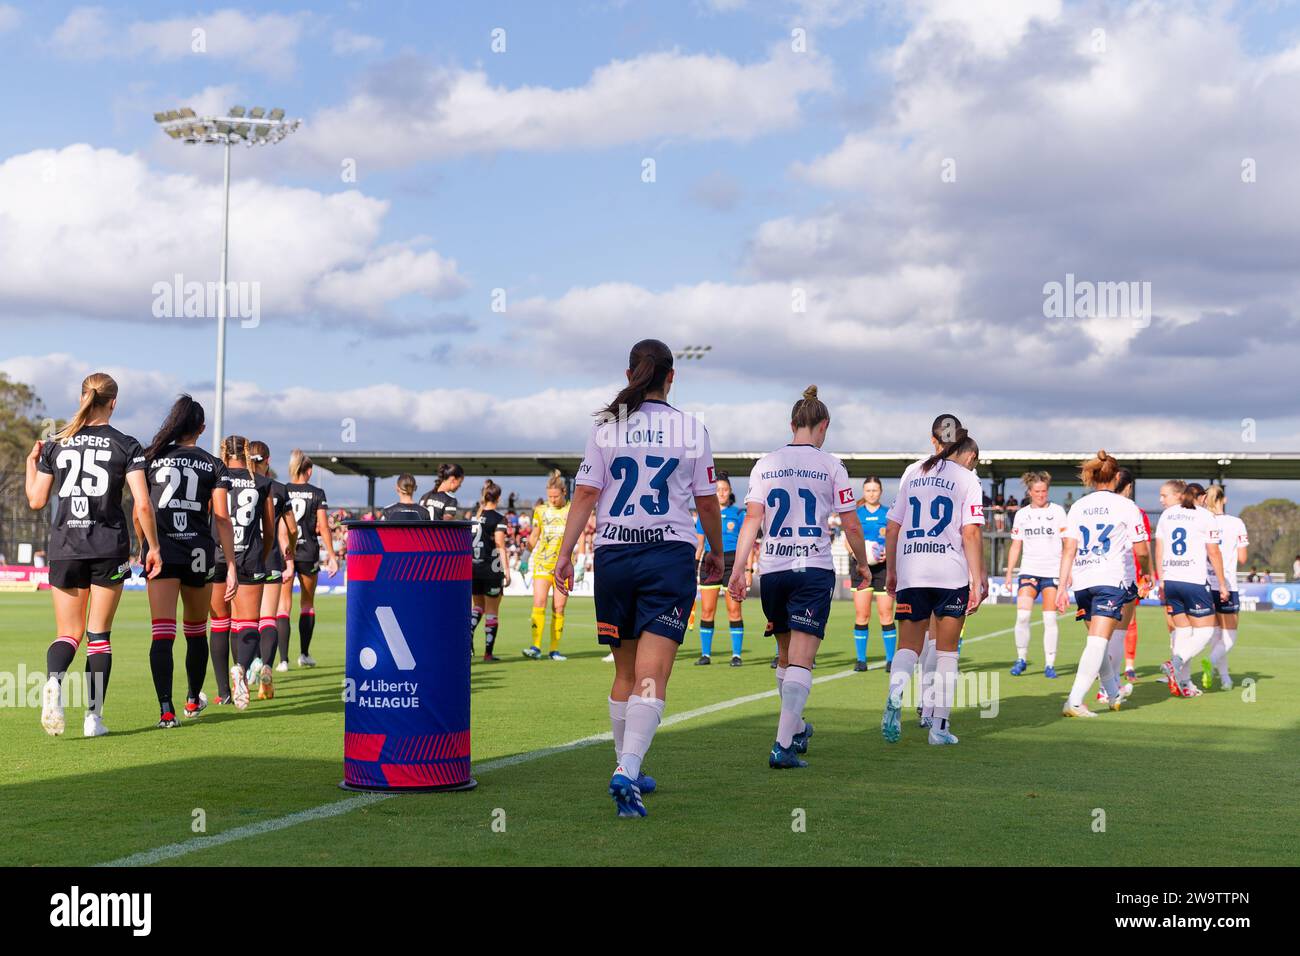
(551, 522)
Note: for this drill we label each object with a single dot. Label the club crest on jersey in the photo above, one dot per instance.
(180, 520)
(80, 507)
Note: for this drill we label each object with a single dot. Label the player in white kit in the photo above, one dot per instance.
(1187, 537)
(1233, 543)
(1102, 530)
(1036, 541)
(646, 464)
(935, 558)
(792, 493)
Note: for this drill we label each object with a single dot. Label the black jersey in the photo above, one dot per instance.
(307, 502)
(441, 506)
(248, 494)
(279, 507)
(181, 481)
(401, 511)
(90, 470)
(485, 528)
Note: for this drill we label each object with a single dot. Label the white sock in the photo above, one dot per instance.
(794, 695)
(780, 678)
(1227, 638)
(1094, 652)
(617, 723)
(900, 672)
(929, 661)
(945, 679)
(1115, 652)
(1107, 672)
(1188, 642)
(1051, 637)
(643, 718)
(1022, 632)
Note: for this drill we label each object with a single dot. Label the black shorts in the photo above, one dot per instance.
(486, 582)
(643, 588)
(83, 572)
(797, 600)
(874, 580)
(917, 604)
(307, 554)
(306, 568)
(728, 563)
(245, 577)
(188, 577)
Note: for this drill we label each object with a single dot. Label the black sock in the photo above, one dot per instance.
(58, 658)
(306, 626)
(220, 647)
(282, 636)
(246, 650)
(99, 665)
(490, 632)
(267, 639)
(196, 663)
(162, 666)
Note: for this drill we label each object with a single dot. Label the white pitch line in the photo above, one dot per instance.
(339, 807)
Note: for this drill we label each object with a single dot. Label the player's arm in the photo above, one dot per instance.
(1216, 561)
(503, 554)
(326, 539)
(1069, 547)
(1013, 556)
(972, 543)
(580, 509)
(143, 516)
(268, 527)
(737, 587)
(853, 536)
(39, 482)
(225, 537)
(710, 517)
(288, 532)
(891, 555)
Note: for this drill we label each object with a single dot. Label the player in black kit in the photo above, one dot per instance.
(86, 465)
(312, 514)
(491, 568)
(276, 602)
(441, 502)
(405, 508)
(190, 504)
(253, 516)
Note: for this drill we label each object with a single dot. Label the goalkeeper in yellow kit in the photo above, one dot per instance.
(548, 531)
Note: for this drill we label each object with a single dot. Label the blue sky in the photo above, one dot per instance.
(777, 168)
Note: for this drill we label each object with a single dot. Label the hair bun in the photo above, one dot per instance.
(810, 393)
(1101, 455)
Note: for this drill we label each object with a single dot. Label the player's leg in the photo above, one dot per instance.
(70, 627)
(477, 605)
(559, 602)
(885, 618)
(1192, 641)
(1051, 632)
(194, 611)
(267, 639)
(491, 621)
(248, 604)
(164, 594)
(735, 621)
(947, 632)
(100, 611)
(861, 616)
(220, 611)
(1225, 640)
(926, 666)
(306, 617)
(708, 613)
(282, 614)
(1025, 595)
(537, 619)
(913, 616)
(1094, 611)
(799, 651)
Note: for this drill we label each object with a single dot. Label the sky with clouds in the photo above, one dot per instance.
(459, 245)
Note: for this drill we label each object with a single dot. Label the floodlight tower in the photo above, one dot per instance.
(691, 353)
(255, 127)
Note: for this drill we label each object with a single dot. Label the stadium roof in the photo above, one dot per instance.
(997, 465)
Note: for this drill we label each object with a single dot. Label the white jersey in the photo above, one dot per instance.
(1106, 526)
(1040, 530)
(1183, 534)
(1232, 535)
(649, 468)
(931, 508)
(799, 487)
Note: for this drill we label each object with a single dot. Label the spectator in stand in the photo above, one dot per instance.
(1295, 569)
(1013, 506)
(999, 513)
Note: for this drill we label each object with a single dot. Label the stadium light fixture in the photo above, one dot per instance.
(693, 352)
(254, 128)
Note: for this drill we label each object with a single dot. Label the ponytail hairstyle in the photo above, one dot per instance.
(1179, 487)
(1214, 498)
(726, 476)
(406, 484)
(236, 448)
(97, 390)
(183, 421)
(299, 462)
(1191, 493)
(648, 365)
(258, 452)
(1101, 469)
(1123, 481)
(1031, 478)
(448, 470)
(810, 411)
(491, 493)
(870, 479)
(947, 430)
(557, 482)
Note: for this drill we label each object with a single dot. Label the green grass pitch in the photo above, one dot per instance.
(1189, 782)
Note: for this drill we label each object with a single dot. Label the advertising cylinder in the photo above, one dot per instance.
(406, 710)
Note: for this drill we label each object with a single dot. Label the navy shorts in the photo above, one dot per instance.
(1194, 600)
(1230, 606)
(1131, 593)
(1101, 601)
(917, 604)
(640, 588)
(797, 600)
(1037, 583)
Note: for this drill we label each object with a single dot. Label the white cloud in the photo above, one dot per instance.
(10, 17)
(89, 231)
(266, 43)
(410, 111)
(348, 43)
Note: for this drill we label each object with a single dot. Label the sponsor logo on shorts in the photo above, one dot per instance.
(673, 620)
(902, 608)
(806, 619)
(606, 630)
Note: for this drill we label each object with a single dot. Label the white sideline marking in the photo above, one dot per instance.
(339, 807)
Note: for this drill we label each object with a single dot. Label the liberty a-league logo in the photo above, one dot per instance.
(180, 520)
(80, 507)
